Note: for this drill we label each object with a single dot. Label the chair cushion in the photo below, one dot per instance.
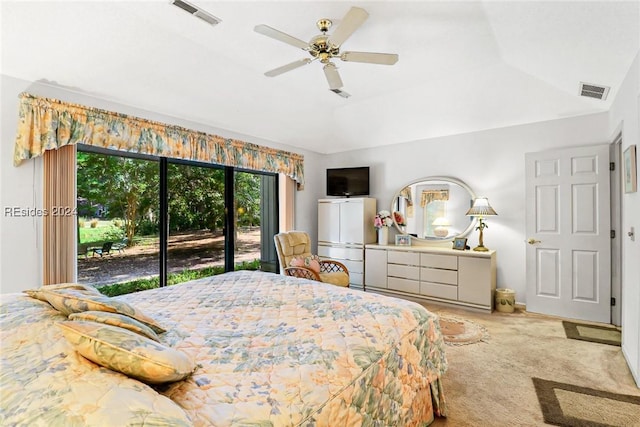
(127, 352)
(312, 262)
(339, 278)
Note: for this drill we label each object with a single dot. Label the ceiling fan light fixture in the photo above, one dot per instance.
(324, 25)
(325, 47)
(332, 75)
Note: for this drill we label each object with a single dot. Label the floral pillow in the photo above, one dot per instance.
(127, 352)
(72, 301)
(37, 293)
(311, 262)
(116, 319)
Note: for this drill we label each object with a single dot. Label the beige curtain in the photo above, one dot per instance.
(286, 204)
(429, 196)
(60, 221)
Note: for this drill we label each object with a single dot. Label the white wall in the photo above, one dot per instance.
(625, 115)
(492, 163)
(20, 238)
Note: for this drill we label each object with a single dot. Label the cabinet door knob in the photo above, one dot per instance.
(533, 241)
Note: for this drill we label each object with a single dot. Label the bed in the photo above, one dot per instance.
(268, 350)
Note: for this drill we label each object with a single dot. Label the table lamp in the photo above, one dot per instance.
(480, 209)
(441, 225)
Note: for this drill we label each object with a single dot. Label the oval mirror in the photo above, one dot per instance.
(433, 209)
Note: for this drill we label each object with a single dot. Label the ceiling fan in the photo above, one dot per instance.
(325, 47)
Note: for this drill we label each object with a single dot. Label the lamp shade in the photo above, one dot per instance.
(481, 207)
(440, 221)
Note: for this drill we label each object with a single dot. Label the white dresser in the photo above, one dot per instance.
(345, 225)
(438, 274)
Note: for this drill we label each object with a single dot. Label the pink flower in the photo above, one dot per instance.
(382, 219)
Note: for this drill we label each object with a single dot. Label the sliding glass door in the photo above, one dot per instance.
(196, 218)
(170, 221)
(117, 205)
(255, 219)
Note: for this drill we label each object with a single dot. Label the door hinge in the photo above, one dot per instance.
(612, 166)
(613, 302)
(613, 234)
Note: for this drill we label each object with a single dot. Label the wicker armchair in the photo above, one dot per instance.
(294, 244)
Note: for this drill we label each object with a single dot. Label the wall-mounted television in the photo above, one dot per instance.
(347, 182)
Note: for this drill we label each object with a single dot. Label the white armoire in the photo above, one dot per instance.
(345, 225)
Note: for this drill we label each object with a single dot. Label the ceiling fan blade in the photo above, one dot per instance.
(288, 67)
(351, 21)
(370, 57)
(331, 73)
(279, 35)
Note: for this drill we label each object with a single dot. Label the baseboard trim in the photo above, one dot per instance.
(633, 373)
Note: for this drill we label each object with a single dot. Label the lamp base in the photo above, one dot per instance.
(481, 248)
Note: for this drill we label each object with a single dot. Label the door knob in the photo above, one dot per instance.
(533, 241)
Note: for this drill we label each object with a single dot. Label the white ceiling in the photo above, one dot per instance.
(463, 67)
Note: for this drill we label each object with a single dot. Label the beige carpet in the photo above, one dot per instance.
(490, 383)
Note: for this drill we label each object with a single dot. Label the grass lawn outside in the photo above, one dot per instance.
(107, 231)
(172, 279)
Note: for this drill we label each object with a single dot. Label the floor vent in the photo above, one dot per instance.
(594, 91)
(195, 11)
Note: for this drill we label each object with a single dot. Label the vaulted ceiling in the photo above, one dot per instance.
(463, 66)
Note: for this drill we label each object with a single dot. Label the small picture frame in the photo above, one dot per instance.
(460, 243)
(403, 240)
(629, 170)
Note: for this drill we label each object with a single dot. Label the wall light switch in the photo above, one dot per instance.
(632, 234)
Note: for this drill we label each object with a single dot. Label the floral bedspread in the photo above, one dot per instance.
(271, 350)
(44, 382)
(274, 350)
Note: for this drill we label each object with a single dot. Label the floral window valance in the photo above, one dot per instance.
(406, 193)
(47, 124)
(429, 196)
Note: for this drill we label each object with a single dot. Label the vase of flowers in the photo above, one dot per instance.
(382, 221)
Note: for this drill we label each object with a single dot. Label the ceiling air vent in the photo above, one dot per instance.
(205, 16)
(594, 91)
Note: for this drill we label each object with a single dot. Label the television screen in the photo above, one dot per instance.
(348, 182)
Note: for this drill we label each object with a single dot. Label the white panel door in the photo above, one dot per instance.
(568, 233)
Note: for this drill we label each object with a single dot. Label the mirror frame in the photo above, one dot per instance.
(464, 233)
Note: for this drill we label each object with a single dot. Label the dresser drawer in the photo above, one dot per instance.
(439, 276)
(404, 271)
(399, 257)
(448, 262)
(439, 290)
(404, 285)
(355, 278)
(354, 254)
